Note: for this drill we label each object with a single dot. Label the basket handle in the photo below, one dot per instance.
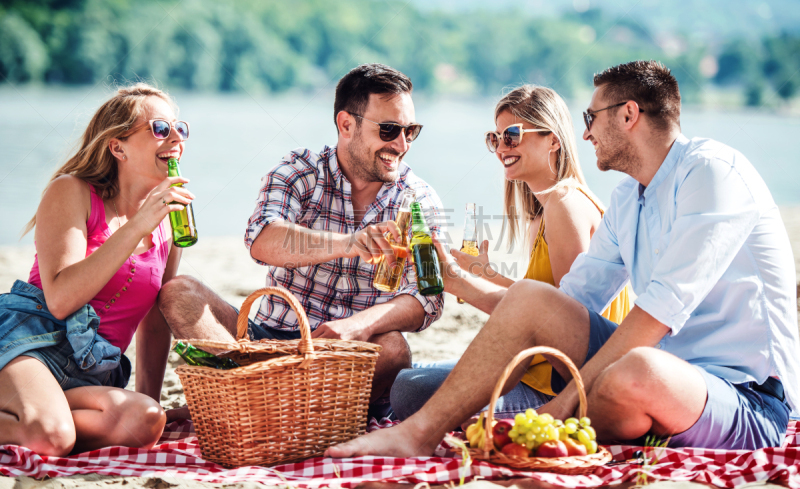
(498, 388)
(306, 346)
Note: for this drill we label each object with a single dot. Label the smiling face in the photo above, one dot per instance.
(370, 158)
(147, 156)
(613, 148)
(532, 161)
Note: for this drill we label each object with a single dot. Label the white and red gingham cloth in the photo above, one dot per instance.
(178, 455)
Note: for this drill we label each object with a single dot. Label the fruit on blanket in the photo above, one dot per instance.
(574, 449)
(500, 433)
(514, 450)
(551, 449)
(476, 434)
(532, 430)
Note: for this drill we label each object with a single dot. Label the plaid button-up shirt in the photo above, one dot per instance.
(311, 191)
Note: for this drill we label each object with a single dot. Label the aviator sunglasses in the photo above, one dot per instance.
(511, 136)
(390, 130)
(588, 116)
(161, 128)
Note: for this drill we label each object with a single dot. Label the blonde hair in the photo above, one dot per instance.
(93, 162)
(545, 109)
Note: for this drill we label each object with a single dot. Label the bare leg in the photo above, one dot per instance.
(37, 414)
(192, 310)
(34, 412)
(531, 313)
(646, 391)
(108, 416)
(152, 350)
(395, 356)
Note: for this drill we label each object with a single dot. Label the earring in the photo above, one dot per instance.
(124, 157)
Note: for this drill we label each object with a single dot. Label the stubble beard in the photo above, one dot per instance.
(369, 167)
(617, 153)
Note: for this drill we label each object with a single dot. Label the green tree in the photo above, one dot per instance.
(23, 55)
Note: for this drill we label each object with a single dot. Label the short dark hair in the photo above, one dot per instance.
(648, 83)
(354, 89)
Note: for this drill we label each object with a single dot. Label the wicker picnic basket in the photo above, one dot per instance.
(562, 465)
(288, 400)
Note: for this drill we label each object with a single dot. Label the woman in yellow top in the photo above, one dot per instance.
(535, 143)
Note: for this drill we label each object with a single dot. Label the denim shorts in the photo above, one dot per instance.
(66, 372)
(71, 348)
(735, 417)
(413, 387)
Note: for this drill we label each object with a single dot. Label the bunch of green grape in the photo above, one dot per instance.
(531, 430)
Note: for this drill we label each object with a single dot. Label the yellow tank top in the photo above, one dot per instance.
(539, 373)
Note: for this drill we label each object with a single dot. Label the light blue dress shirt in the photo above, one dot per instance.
(707, 255)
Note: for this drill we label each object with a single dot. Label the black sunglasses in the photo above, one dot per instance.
(588, 116)
(390, 130)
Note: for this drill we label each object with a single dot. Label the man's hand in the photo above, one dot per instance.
(344, 329)
(370, 243)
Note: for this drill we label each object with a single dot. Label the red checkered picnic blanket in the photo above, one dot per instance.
(178, 455)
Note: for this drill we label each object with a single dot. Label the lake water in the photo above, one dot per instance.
(236, 139)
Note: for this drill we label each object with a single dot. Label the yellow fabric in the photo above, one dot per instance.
(539, 373)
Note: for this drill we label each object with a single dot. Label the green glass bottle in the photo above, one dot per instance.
(199, 358)
(184, 230)
(423, 253)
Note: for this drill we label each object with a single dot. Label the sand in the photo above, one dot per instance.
(223, 264)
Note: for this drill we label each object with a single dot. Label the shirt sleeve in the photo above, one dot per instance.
(598, 275)
(714, 215)
(434, 216)
(284, 192)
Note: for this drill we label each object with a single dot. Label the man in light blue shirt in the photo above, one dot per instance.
(709, 354)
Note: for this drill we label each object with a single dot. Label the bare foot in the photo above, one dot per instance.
(397, 441)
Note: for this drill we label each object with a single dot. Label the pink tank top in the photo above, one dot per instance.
(128, 296)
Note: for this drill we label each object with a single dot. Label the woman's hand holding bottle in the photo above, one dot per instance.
(161, 201)
(476, 265)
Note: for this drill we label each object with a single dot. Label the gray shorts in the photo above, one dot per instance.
(735, 417)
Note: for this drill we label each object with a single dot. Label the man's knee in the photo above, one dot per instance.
(525, 290)
(179, 288)
(628, 378)
(395, 350)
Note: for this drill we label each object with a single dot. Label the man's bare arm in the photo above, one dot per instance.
(287, 245)
(403, 313)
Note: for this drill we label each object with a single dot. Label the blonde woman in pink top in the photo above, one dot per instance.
(103, 251)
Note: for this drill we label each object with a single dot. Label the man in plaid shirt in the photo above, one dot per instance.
(319, 225)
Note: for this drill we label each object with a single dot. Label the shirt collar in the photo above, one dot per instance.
(674, 155)
(333, 165)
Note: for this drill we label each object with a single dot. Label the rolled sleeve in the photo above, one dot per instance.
(714, 215)
(283, 193)
(598, 275)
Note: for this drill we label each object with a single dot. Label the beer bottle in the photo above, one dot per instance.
(387, 278)
(184, 231)
(423, 254)
(469, 244)
(199, 358)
